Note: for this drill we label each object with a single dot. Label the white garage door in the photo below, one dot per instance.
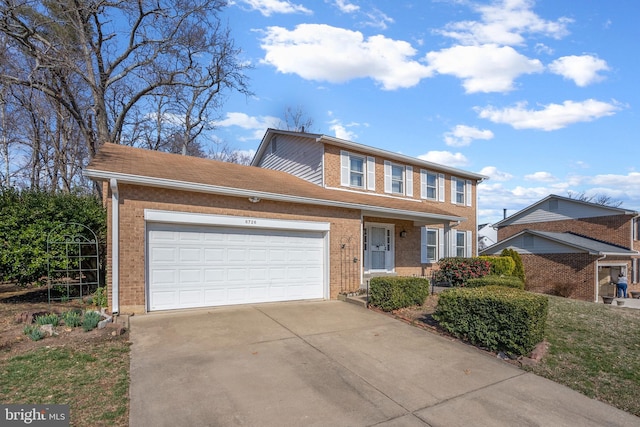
(201, 266)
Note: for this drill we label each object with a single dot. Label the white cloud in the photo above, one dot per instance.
(463, 135)
(446, 158)
(270, 7)
(504, 22)
(583, 70)
(378, 19)
(325, 53)
(495, 175)
(342, 131)
(346, 7)
(550, 117)
(540, 176)
(486, 68)
(258, 125)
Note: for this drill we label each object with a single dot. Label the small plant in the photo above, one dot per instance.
(33, 332)
(48, 319)
(91, 320)
(72, 319)
(100, 296)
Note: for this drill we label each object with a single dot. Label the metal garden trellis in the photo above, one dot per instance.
(73, 259)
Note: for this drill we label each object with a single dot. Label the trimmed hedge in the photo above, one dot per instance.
(392, 293)
(500, 265)
(494, 317)
(507, 281)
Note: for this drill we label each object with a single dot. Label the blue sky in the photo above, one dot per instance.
(541, 96)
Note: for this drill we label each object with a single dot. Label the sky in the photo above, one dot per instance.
(540, 96)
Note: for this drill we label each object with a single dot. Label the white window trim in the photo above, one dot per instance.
(407, 179)
(467, 191)
(453, 243)
(368, 172)
(439, 245)
(439, 185)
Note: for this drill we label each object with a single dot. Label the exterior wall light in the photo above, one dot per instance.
(403, 234)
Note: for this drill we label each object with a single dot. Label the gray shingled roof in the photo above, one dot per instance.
(581, 242)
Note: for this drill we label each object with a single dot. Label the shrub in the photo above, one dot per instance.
(72, 318)
(500, 265)
(91, 320)
(48, 319)
(26, 219)
(457, 270)
(507, 281)
(100, 297)
(392, 293)
(494, 317)
(518, 269)
(33, 332)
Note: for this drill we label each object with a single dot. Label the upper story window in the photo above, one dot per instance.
(398, 179)
(431, 185)
(636, 229)
(357, 171)
(461, 191)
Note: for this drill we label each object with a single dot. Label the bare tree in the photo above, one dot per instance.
(296, 120)
(598, 199)
(104, 62)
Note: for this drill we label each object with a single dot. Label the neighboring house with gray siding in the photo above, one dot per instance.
(572, 248)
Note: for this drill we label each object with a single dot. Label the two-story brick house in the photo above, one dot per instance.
(312, 217)
(571, 247)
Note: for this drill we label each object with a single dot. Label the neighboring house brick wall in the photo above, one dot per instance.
(569, 275)
(614, 229)
(135, 199)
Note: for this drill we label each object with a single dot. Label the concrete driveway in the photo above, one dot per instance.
(331, 363)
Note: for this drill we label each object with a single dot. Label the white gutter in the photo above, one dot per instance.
(597, 284)
(235, 192)
(115, 245)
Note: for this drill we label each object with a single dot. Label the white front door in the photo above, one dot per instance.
(378, 247)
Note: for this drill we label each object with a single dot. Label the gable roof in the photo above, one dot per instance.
(350, 145)
(541, 204)
(580, 243)
(138, 166)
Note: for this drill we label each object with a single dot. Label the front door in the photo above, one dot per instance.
(378, 247)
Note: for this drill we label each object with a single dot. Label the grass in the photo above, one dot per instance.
(594, 349)
(92, 378)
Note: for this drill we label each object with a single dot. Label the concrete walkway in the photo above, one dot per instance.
(331, 363)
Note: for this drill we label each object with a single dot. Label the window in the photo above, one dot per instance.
(461, 244)
(398, 179)
(429, 247)
(357, 171)
(636, 229)
(431, 185)
(460, 191)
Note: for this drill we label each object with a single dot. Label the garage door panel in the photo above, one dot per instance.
(197, 266)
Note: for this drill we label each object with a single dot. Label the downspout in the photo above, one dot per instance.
(597, 283)
(115, 246)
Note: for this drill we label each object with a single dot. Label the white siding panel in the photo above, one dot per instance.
(566, 210)
(301, 157)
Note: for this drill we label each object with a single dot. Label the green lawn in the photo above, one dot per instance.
(92, 378)
(594, 349)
